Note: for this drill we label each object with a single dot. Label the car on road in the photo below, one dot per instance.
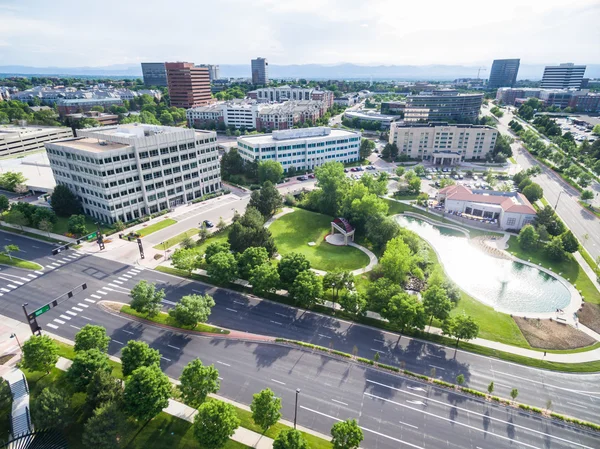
(371, 167)
(359, 169)
(345, 170)
(302, 178)
(311, 176)
(208, 224)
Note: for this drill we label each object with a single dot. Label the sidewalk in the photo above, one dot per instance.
(52, 235)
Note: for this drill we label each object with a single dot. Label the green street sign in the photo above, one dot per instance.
(93, 235)
(42, 310)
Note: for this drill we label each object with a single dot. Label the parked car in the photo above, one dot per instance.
(311, 176)
(359, 169)
(208, 224)
(371, 167)
(353, 169)
(302, 178)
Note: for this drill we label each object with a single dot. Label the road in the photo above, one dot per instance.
(395, 411)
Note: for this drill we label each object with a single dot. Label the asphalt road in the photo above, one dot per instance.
(394, 412)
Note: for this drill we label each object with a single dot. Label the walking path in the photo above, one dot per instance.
(52, 235)
(21, 419)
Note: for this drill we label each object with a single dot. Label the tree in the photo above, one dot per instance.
(353, 302)
(104, 428)
(490, 387)
(460, 379)
(103, 388)
(9, 180)
(76, 225)
(380, 292)
(266, 200)
(400, 171)
(264, 279)
(346, 435)
(306, 289)
(50, 409)
(214, 424)
(187, 243)
(461, 327)
(166, 118)
(147, 392)
(290, 266)
(85, 366)
(290, 439)
(514, 393)
(396, 260)
(40, 353)
(569, 242)
(221, 224)
(436, 303)
(405, 311)
(45, 226)
(8, 249)
(186, 259)
(332, 183)
(146, 299)
(222, 268)
(265, 409)
(336, 281)
(554, 249)
(533, 192)
(380, 229)
(269, 170)
(16, 218)
(414, 185)
(528, 237)
(136, 354)
(202, 233)
(192, 309)
(90, 337)
(214, 248)
(251, 258)
(64, 202)
(4, 203)
(198, 381)
(366, 148)
(550, 220)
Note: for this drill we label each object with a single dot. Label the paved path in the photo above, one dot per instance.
(21, 419)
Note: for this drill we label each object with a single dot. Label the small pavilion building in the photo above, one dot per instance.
(345, 229)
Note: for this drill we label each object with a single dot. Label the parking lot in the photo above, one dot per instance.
(579, 132)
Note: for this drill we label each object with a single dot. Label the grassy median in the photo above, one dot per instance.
(156, 227)
(19, 263)
(165, 318)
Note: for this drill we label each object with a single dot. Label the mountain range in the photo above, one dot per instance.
(308, 71)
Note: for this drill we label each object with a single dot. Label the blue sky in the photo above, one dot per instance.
(68, 33)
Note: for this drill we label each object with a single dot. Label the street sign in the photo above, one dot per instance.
(93, 235)
(42, 310)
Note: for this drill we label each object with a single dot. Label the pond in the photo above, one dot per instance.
(507, 286)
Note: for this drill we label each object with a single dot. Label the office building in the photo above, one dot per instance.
(21, 139)
(260, 71)
(443, 105)
(127, 171)
(103, 118)
(563, 76)
(85, 104)
(578, 100)
(371, 116)
(504, 73)
(154, 73)
(303, 148)
(286, 93)
(393, 107)
(189, 85)
(214, 71)
(442, 143)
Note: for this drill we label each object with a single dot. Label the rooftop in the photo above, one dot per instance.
(301, 133)
(90, 144)
(509, 201)
(14, 129)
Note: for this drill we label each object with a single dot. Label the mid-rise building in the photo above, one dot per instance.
(21, 139)
(102, 118)
(260, 71)
(504, 73)
(508, 95)
(154, 73)
(285, 115)
(214, 71)
(442, 143)
(125, 172)
(384, 120)
(205, 116)
(286, 93)
(189, 85)
(303, 148)
(443, 105)
(79, 105)
(578, 100)
(393, 107)
(563, 76)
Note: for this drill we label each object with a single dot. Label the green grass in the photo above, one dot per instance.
(217, 237)
(156, 227)
(67, 351)
(292, 232)
(591, 262)
(31, 234)
(590, 209)
(165, 318)
(569, 269)
(177, 239)
(62, 226)
(19, 263)
(512, 160)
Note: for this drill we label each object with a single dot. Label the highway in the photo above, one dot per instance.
(394, 412)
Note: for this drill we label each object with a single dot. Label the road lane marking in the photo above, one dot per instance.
(86, 318)
(415, 388)
(126, 276)
(65, 317)
(585, 393)
(78, 328)
(82, 305)
(164, 358)
(231, 310)
(52, 326)
(239, 302)
(58, 321)
(576, 405)
(127, 332)
(433, 355)
(77, 309)
(118, 342)
(39, 272)
(90, 300)
(169, 302)
(36, 247)
(50, 266)
(102, 292)
(409, 425)
(223, 363)
(117, 282)
(437, 367)
(32, 276)
(4, 289)
(379, 341)
(96, 296)
(71, 313)
(276, 322)
(174, 347)
(323, 336)
(122, 278)
(376, 350)
(132, 273)
(278, 382)
(339, 402)
(281, 314)
(11, 285)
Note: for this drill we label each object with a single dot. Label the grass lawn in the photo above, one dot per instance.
(217, 237)
(292, 232)
(19, 263)
(156, 226)
(177, 239)
(512, 160)
(165, 318)
(569, 268)
(62, 226)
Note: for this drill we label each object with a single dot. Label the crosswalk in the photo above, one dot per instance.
(54, 262)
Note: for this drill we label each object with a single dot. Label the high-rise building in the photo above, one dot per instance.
(214, 71)
(154, 74)
(504, 73)
(563, 76)
(260, 71)
(443, 105)
(189, 85)
(127, 171)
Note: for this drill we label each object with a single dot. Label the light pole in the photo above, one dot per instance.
(165, 248)
(557, 199)
(296, 409)
(18, 342)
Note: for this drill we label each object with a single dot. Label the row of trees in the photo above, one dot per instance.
(525, 184)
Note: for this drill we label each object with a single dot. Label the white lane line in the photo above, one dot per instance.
(331, 327)
(39, 272)
(122, 278)
(102, 292)
(276, 322)
(409, 425)
(415, 388)
(437, 367)
(65, 317)
(585, 393)
(4, 289)
(278, 382)
(239, 302)
(52, 326)
(339, 402)
(220, 378)
(58, 321)
(71, 313)
(118, 342)
(281, 314)
(164, 358)
(174, 347)
(134, 271)
(32, 276)
(117, 282)
(11, 285)
(78, 328)
(169, 302)
(323, 336)
(131, 272)
(127, 332)
(379, 341)
(90, 300)
(50, 266)
(376, 350)
(433, 355)
(126, 276)
(77, 309)
(36, 247)
(82, 305)
(96, 296)
(576, 405)
(225, 364)
(86, 318)
(231, 310)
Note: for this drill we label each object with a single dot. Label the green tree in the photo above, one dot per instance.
(307, 289)
(40, 353)
(222, 268)
(264, 279)
(353, 302)
(136, 354)
(145, 298)
(461, 327)
(50, 409)
(332, 183)
(104, 429)
(269, 170)
(414, 185)
(166, 118)
(460, 379)
(186, 259)
(97, 108)
(490, 388)
(336, 281)
(8, 249)
(4, 203)
(366, 148)
(192, 309)
(76, 225)
(91, 336)
(202, 233)
(10, 180)
(266, 200)
(554, 249)
(85, 366)
(16, 218)
(251, 258)
(569, 242)
(436, 303)
(405, 311)
(187, 243)
(346, 435)
(400, 171)
(514, 393)
(265, 409)
(550, 220)
(249, 231)
(64, 202)
(214, 248)
(147, 392)
(528, 237)
(290, 266)
(290, 439)
(214, 424)
(396, 260)
(103, 388)
(45, 226)
(533, 192)
(379, 293)
(198, 381)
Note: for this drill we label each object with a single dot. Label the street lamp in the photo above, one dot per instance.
(296, 409)
(559, 194)
(18, 342)
(165, 248)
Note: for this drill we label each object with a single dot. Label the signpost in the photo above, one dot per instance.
(32, 317)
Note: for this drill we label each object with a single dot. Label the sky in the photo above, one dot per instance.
(64, 33)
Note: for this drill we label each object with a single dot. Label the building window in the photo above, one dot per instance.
(511, 221)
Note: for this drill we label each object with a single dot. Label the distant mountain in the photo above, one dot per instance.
(434, 72)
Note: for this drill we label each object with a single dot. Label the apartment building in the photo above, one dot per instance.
(127, 171)
(85, 104)
(285, 115)
(504, 73)
(286, 93)
(443, 105)
(442, 143)
(563, 76)
(21, 139)
(154, 74)
(189, 85)
(578, 100)
(260, 71)
(302, 149)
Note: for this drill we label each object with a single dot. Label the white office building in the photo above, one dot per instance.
(563, 76)
(124, 172)
(22, 139)
(441, 143)
(303, 148)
